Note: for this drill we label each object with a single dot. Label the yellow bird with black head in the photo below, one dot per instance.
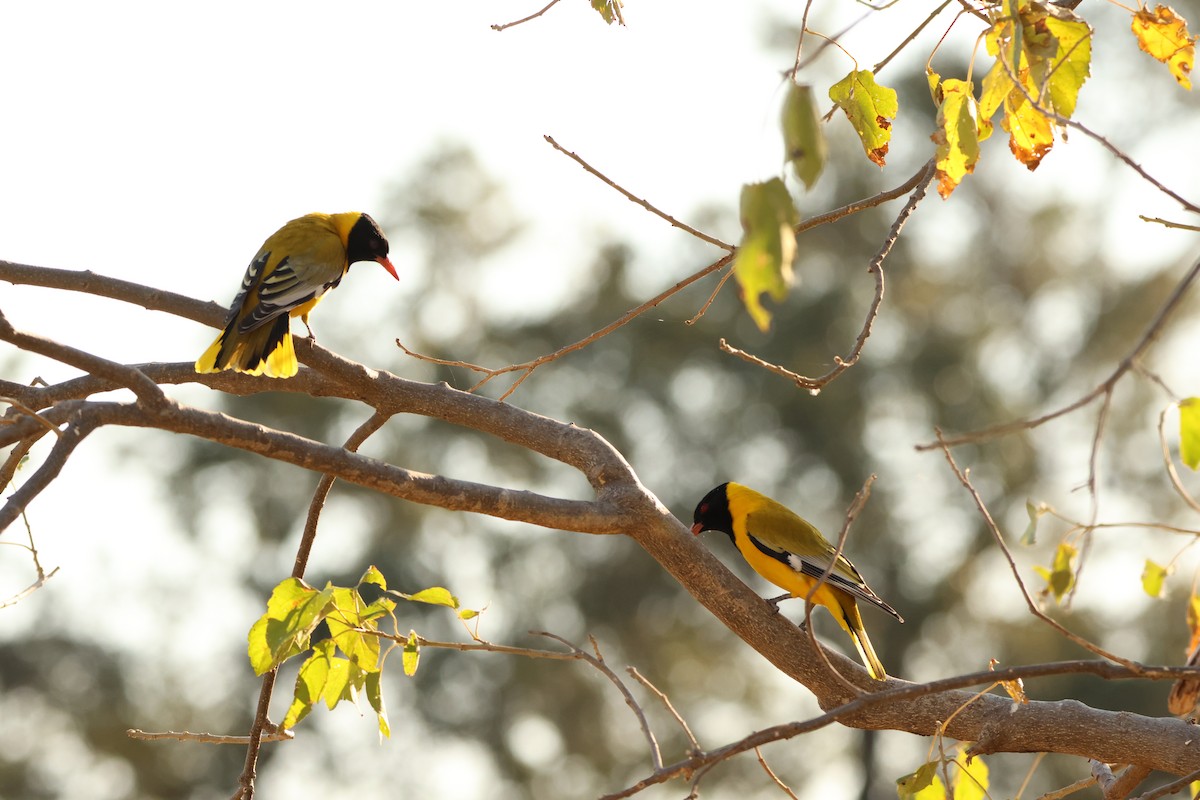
(792, 554)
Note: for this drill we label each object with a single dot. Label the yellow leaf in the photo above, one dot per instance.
(1163, 34)
(411, 656)
(763, 264)
(1071, 64)
(971, 779)
(1015, 688)
(1030, 136)
(1061, 577)
(916, 784)
(870, 108)
(956, 137)
(1153, 578)
(1189, 431)
(803, 140)
(1043, 53)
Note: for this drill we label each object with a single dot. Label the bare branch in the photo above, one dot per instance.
(204, 738)
(635, 199)
(534, 15)
(994, 529)
(1153, 331)
(666, 701)
(147, 391)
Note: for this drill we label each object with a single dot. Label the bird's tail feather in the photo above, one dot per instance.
(267, 349)
(853, 624)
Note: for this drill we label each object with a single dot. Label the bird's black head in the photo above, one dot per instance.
(712, 513)
(366, 241)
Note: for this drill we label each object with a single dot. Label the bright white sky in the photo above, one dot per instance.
(162, 143)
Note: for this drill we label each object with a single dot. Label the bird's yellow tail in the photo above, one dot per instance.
(851, 621)
(267, 350)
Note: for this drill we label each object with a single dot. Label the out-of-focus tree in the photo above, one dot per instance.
(995, 310)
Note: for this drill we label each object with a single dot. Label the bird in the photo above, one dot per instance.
(288, 276)
(792, 554)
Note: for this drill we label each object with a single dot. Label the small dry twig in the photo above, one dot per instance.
(534, 15)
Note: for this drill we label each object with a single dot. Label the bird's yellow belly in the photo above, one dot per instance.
(303, 309)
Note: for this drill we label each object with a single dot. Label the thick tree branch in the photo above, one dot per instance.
(621, 505)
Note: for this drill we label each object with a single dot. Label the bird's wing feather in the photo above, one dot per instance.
(299, 263)
(778, 528)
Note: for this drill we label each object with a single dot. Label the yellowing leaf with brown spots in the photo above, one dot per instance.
(956, 137)
(1043, 56)
(1163, 34)
(870, 108)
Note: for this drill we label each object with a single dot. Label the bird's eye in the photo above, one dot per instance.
(704, 508)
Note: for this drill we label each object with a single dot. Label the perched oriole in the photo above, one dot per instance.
(287, 278)
(793, 555)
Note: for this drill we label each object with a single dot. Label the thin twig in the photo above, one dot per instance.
(1170, 788)
(597, 661)
(908, 39)
(278, 735)
(356, 439)
(712, 297)
(666, 701)
(787, 790)
(24, 409)
(527, 367)
(994, 529)
(534, 15)
(1183, 493)
(1067, 791)
(28, 590)
(635, 199)
(1153, 331)
(796, 68)
(1168, 224)
(856, 507)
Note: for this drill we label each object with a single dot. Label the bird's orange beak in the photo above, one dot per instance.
(383, 262)
(698, 528)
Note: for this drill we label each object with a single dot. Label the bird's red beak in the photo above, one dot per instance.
(383, 262)
(698, 528)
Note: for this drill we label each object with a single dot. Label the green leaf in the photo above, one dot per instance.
(957, 136)
(912, 784)
(870, 108)
(1189, 432)
(293, 612)
(311, 683)
(373, 575)
(468, 613)
(804, 143)
(412, 654)
(337, 685)
(344, 622)
(374, 690)
(1153, 578)
(763, 264)
(1029, 537)
(435, 595)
